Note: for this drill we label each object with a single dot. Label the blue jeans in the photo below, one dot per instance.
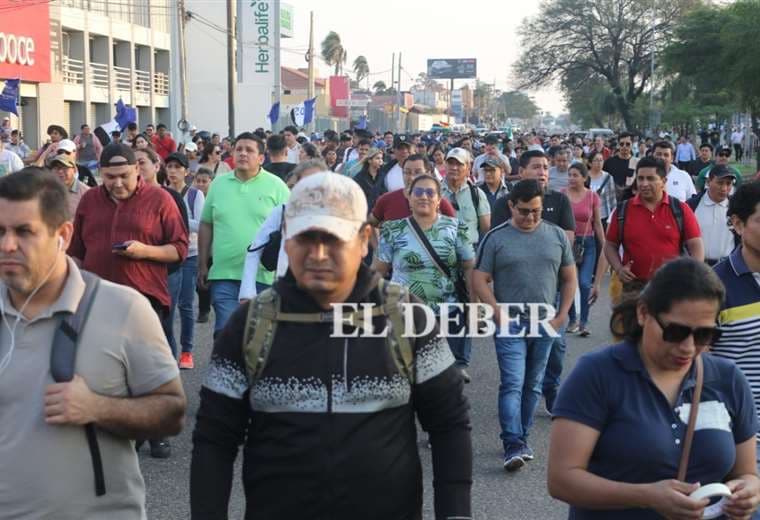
(556, 360)
(461, 347)
(585, 279)
(224, 298)
(522, 361)
(175, 285)
(186, 302)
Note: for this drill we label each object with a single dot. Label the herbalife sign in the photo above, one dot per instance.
(256, 33)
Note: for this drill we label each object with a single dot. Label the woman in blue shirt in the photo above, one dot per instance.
(621, 416)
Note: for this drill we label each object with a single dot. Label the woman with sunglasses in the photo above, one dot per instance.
(211, 158)
(405, 243)
(603, 184)
(621, 416)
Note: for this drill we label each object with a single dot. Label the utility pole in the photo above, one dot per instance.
(393, 82)
(398, 96)
(181, 18)
(451, 101)
(231, 66)
(277, 71)
(310, 59)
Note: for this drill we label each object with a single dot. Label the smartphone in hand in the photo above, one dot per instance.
(120, 246)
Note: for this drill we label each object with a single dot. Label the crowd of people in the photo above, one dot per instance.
(103, 245)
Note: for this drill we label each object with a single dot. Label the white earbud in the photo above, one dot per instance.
(60, 243)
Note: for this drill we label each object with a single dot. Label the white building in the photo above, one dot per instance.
(88, 54)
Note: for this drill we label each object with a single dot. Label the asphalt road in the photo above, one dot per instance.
(495, 494)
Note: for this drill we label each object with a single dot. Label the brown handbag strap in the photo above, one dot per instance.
(684, 464)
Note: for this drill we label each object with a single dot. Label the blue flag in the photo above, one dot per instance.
(308, 110)
(362, 124)
(124, 114)
(9, 96)
(274, 113)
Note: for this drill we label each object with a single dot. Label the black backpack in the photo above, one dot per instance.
(271, 250)
(63, 357)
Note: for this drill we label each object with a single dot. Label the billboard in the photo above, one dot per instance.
(25, 41)
(339, 89)
(452, 68)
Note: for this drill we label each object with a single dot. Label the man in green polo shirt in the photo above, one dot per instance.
(722, 157)
(469, 201)
(237, 204)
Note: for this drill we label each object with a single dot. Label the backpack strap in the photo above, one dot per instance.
(63, 356)
(621, 219)
(393, 297)
(475, 198)
(259, 333)
(677, 210)
(264, 314)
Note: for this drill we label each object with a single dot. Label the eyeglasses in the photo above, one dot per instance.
(676, 333)
(526, 212)
(419, 192)
(724, 155)
(625, 144)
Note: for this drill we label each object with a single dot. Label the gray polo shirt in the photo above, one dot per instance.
(525, 265)
(48, 469)
(463, 204)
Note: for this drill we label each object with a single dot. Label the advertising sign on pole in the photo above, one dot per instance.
(452, 68)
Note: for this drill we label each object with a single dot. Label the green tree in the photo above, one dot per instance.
(606, 40)
(518, 105)
(361, 69)
(333, 52)
(715, 50)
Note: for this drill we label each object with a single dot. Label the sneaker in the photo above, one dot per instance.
(186, 361)
(465, 375)
(584, 332)
(527, 453)
(160, 449)
(513, 460)
(202, 317)
(572, 327)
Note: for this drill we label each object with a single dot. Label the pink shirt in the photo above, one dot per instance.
(583, 212)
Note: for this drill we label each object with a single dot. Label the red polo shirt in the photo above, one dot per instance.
(164, 147)
(149, 216)
(651, 237)
(394, 206)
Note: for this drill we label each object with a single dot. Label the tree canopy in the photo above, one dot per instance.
(607, 42)
(333, 52)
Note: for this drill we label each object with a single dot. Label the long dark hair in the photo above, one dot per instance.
(682, 279)
(208, 150)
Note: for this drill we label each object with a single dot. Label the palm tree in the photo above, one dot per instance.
(333, 52)
(361, 69)
(379, 87)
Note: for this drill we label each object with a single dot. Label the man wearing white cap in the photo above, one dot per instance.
(346, 405)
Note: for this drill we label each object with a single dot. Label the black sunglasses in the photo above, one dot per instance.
(676, 333)
(724, 155)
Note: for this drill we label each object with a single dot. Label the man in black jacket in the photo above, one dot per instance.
(328, 421)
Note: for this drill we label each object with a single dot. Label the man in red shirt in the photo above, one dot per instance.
(163, 142)
(128, 231)
(394, 205)
(651, 235)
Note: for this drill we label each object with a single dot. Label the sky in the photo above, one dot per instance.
(421, 29)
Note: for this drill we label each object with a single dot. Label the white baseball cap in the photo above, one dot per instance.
(191, 147)
(327, 202)
(67, 145)
(459, 154)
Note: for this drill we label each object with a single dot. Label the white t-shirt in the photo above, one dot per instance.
(10, 162)
(680, 185)
(394, 180)
(716, 235)
(294, 154)
(737, 138)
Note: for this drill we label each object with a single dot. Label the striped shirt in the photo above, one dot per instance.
(739, 320)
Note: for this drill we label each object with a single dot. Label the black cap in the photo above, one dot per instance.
(723, 149)
(401, 140)
(719, 171)
(177, 157)
(492, 139)
(117, 154)
(491, 162)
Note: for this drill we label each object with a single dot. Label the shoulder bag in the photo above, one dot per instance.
(689, 437)
(579, 248)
